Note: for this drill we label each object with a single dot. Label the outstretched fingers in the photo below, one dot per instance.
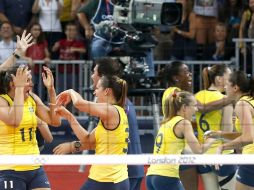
(23, 34)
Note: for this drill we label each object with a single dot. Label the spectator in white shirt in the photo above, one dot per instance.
(7, 45)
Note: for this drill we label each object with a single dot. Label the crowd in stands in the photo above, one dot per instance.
(63, 29)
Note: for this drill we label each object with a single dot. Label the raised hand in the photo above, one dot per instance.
(63, 98)
(23, 43)
(47, 78)
(21, 77)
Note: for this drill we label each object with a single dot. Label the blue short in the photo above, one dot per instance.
(135, 183)
(20, 180)
(224, 170)
(157, 182)
(245, 175)
(95, 185)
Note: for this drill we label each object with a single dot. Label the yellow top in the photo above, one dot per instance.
(20, 140)
(66, 12)
(248, 149)
(210, 121)
(167, 143)
(109, 142)
(166, 93)
(250, 100)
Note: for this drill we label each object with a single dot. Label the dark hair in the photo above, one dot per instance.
(7, 22)
(108, 67)
(243, 81)
(118, 86)
(169, 71)
(210, 73)
(174, 102)
(6, 78)
(41, 37)
(71, 23)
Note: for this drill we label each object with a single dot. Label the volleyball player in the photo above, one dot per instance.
(19, 109)
(175, 129)
(179, 78)
(241, 87)
(215, 79)
(107, 66)
(111, 135)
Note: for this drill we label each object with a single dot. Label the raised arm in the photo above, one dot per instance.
(45, 113)
(12, 115)
(87, 139)
(22, 44)
(101, 110)
(216, 105)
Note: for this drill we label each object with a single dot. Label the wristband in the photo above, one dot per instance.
(16, 55)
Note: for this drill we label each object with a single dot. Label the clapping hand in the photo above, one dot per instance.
(63, 98)
(48, 78)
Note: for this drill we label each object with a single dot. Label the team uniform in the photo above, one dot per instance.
(211, 121)
(166, 93)
(245, 173)
(110, 142)
(166, 175)
(21, 140)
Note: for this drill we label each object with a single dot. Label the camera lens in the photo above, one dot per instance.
(171, 14)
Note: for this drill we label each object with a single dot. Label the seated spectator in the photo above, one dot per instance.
(69, 49)
(7, 45)
(38, 51)
(221, 49)
(18, 13)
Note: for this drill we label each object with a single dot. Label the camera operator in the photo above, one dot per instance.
(104, 39)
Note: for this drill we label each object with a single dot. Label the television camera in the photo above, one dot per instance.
(132, 22)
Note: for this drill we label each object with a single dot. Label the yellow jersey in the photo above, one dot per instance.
(210, 121)
(110, 142)
(20, 140)
(167, 143)
(166, 93)
(248, 149)
(250, 100)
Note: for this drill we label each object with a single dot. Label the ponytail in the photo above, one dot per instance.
(118, 86)
(206, 80)
(122, 98)
(210, 74)
(174, 103)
